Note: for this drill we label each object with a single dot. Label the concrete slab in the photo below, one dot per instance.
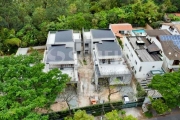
(22, 51)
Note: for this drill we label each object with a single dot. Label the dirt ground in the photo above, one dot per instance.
(88, 89)
(135, 112)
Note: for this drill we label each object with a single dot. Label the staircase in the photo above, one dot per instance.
(144, 84)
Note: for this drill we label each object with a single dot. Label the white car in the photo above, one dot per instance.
(125, 99)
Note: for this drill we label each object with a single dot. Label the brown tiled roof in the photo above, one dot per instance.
(170, 50)
(157, 32)
(122, 26)
(177, 14)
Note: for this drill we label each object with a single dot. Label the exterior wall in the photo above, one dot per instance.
(168, 64)
(146, 67)
(86, 39)
(78, 46)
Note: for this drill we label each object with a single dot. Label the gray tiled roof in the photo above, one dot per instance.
(108, 49)
(64, 36)
(102, 33)
(153, 48)
(59, 53)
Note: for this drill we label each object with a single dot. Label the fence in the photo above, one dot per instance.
(96, 110)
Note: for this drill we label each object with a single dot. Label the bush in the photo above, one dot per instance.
(140, 91)
(156, 24)
(148, 114)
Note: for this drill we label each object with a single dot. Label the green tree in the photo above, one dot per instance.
(145, 12)
(25, 88)
(168, 86)
(80, 115)
(160, 106)
(8, 41)
(118, 115)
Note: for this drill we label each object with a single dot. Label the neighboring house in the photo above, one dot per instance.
(171, 49)
(86, 42)
(173, 28)
(108, 61)
(143, 55)
(61, 53)
(121, 29)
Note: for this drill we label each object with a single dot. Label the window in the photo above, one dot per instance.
(127, 56)
(125, 44)
(131, 55)
(136, 62)
(132, 67)
(135, 72)
(153, 66)
(140, 69)
(176, 62)
(103, 61)
(86, 51)
(86, 45)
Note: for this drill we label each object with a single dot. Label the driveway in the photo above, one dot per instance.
(128, 90)
(169, 117)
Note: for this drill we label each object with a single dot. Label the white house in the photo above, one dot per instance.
(61, 53)
(143, 55)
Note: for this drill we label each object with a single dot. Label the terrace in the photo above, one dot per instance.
(144, 49)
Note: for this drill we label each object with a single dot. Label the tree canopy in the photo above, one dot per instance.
(169, 87)
(118, 115)
(31, 19)
(160, 106)
(25, 88)
(80, 115)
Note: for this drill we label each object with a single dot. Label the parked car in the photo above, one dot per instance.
(125, 99)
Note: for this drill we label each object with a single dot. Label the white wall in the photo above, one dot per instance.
(148, 66)
(78, 46)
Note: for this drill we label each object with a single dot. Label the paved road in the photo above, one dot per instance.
(168, 117)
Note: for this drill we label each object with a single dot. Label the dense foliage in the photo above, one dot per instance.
(80, 115)
(160, 106)
(168, 85)
(25, 88)
(118, 115)
(30, 20)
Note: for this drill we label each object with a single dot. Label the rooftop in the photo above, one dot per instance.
(120, 27)
(108, 49)
(102, 33)
(113, 69)
(171, 46)
(157, 32)
(145, 50)
(174, 25)
(87, 35)
(59, 53)
(64, 36)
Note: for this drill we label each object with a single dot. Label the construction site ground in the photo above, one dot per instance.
(86, 88)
